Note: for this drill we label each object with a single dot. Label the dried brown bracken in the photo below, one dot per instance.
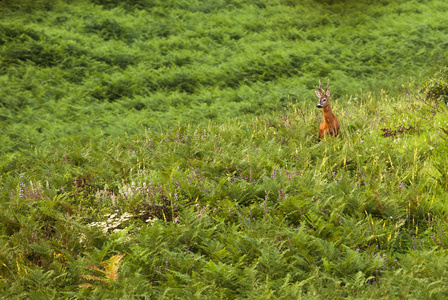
(389, 132)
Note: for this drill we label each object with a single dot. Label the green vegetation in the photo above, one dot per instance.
(79, 69)
(436, 88)
(125, 173)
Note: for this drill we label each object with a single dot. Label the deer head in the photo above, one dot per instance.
(324, 97)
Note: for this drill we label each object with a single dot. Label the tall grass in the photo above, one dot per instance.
(166, 149)
(108, 66)
(241, 209)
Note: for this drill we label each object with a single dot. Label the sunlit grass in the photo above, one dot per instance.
(175, 144)
(252, 205)
(120, 67)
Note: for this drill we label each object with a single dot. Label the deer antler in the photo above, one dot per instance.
(320, 87)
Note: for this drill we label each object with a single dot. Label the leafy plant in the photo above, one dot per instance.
(110, 271)
(436, 88)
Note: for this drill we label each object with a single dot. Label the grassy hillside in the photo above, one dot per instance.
(124, 173)
(82, 68)
(253, 209)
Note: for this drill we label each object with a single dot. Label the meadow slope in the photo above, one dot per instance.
(241, 209)
(168, 150)
(91, 67)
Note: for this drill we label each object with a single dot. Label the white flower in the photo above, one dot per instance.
(82, 238)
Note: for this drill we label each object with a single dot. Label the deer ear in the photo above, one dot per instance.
(318, 94)
(327, 93)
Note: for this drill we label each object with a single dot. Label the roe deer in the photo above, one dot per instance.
(330, 124)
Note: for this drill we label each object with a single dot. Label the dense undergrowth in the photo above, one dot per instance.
(98, 202)
(255, 209)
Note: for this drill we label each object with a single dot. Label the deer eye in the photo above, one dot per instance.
(323, 100)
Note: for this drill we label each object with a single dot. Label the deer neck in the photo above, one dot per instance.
(328, 113)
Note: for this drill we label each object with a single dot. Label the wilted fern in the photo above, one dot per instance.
(110, 271)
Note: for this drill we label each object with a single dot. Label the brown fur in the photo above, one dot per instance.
(330, 125)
